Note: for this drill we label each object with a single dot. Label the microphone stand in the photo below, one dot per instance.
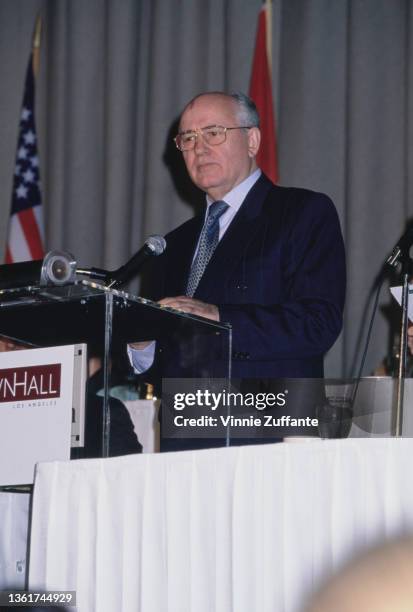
(397, 424)
(95, 273)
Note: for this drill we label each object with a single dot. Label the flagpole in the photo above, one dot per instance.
(37, 37)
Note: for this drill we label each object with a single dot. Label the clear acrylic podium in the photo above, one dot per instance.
(106, 320)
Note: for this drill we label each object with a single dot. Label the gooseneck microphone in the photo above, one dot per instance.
(95, 273)
(401, 247)
(154, 246)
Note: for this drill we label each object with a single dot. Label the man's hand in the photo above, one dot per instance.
(410, 338)
(191, 306)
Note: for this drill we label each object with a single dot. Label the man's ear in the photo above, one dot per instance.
(254, 140)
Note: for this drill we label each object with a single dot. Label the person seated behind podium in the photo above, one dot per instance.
(123, 439)
(277, 274)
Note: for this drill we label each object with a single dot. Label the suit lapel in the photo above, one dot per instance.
(182, 246)
(228, 252)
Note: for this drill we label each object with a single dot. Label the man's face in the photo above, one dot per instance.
(218, 169)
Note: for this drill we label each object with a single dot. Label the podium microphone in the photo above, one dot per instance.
(154, 246)
(402, 246)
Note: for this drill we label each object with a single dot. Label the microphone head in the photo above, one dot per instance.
(157, 244)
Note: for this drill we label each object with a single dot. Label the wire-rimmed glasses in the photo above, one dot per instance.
(211, 134)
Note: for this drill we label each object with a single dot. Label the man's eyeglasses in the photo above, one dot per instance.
(212, 135)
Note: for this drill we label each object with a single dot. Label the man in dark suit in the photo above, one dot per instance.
(277, 270)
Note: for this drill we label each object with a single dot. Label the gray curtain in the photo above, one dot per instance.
(116, 73)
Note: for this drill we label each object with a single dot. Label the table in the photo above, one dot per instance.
(231, 529)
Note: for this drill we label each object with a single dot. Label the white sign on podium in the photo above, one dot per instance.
(38, 392)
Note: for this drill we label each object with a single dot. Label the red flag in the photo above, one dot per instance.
(25, 240)
(261, 93)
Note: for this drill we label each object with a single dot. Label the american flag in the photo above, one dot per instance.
(25, 239)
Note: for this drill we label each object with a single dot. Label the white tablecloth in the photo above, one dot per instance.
(229, 530)
(14, 522)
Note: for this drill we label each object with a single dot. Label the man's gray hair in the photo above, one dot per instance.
(247, 114)
(247, 111)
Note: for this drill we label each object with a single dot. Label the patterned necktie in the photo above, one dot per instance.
(207, 243)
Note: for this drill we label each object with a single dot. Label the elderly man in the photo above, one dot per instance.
(268, 260)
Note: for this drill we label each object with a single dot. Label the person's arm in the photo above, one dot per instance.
(308, 321)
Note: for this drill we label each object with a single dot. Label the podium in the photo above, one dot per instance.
(107, 320)
(42, 409)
